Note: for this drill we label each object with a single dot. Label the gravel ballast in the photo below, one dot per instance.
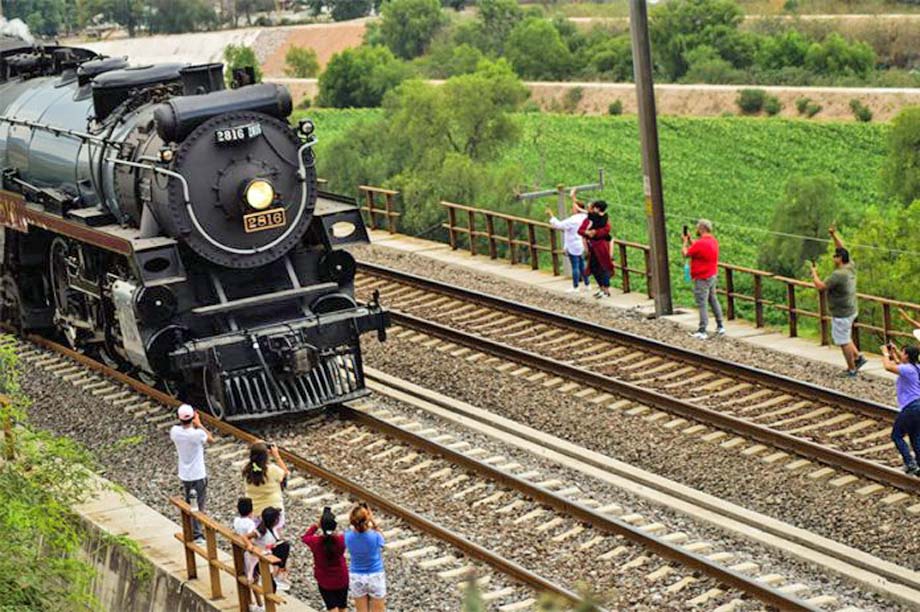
(633, 321)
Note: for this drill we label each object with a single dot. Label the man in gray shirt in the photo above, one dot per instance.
(841, 301)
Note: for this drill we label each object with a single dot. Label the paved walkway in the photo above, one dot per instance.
(685, 317)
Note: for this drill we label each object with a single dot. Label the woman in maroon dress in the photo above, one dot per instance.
(596, 232)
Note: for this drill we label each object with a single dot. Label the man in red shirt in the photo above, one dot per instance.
(704, 270)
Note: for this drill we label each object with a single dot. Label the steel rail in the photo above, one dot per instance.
(672, 353)
(473, 550)
(685, 409)
(724, 575)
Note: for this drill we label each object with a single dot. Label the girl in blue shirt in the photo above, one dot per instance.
(366, 578)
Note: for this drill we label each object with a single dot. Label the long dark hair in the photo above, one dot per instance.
(327, 524)
(255, 472)
(913, 357)
(270, 518)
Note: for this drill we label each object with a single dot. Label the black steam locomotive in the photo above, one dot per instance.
(174, 227)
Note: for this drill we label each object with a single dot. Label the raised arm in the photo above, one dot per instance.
(890, 359)
(279, 461)
(835, 235)
(820, 285)
(196, 422)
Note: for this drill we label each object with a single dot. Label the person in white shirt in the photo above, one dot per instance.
(573, 244)
(190, 436)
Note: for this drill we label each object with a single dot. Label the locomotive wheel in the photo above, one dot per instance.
(213, 391)
(10, 302)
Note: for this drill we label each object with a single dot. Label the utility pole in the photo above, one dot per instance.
(651, 164)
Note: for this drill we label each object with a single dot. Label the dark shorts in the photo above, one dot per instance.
(335, 598)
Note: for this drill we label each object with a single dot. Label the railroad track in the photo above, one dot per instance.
(813, 422)
(318, 484)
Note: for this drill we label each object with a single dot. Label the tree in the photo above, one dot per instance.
(537, 52)
(240, 56)
(44, 17)
(435, 142)
(610, 59)
(343, 10)
(300, 62)
(901, 174)
(495, 21)
(174, 16)
(680, 26)
(808, 208)
(360, 77)
(445, 59)
(248, 7)
(892, 270)
(407, 26)
(126, 13)
(782, 50)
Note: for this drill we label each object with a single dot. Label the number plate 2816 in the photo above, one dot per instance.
(240, 133)
(264, 220)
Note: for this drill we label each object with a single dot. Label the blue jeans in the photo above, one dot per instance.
(908, 424)
(578, 269)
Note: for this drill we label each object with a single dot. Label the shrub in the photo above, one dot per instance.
(615, 108)
(571, 98)
(300, 63)
(772, 106)
(530, 107)
(813, 109)
(837, 57)
(305, 103)
(860, 111)
(240, 56)
(343, 10)
(801, 105)
(751, 101)
(536, 51)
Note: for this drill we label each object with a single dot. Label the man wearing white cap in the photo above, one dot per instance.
(190, 436)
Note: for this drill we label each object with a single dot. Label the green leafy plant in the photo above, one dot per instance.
(571, 98)
(240, 56)
(801, 104)
(751, 101)
(615, 108)
(860, 111)
(301, 63)
(813, 109)
(772, 106)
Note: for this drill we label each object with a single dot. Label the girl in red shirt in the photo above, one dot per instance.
(329, 566)
(596, 231)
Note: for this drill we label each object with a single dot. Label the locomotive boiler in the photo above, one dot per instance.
(174, 227)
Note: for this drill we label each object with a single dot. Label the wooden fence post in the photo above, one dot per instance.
(372, 218)
(650, 289)
(191, 567)
(239, 568)
(511, 241)
(793, 315)
(729, 294)
(886, 320)
(471, 220)
(452, 227)
(490, 231)
(552, 250)
(391, 222)
(267, 588)
(758, 300)
(624, 268)
(214, 570)
(534, 253)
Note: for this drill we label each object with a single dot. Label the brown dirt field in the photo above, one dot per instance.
(325, 39)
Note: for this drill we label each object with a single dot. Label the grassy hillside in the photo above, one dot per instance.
(731, 170)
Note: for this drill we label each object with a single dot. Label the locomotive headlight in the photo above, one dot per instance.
(259, 194)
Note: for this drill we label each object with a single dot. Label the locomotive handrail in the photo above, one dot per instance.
(57, 131)
(164, 171)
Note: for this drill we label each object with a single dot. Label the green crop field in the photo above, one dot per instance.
(731, 170)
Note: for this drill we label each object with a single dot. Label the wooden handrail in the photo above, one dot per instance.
(243, 582)
(388, 211)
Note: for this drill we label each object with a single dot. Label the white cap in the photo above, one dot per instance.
(917, 334)
(185, 412)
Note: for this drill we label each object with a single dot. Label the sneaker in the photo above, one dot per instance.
(720, 331)
(282, 584)
(860, 362)
(598, 294)
(200, 541)
(572, 290)
(700, 335)
(913, 469)
(849, 374)
(256, 608)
